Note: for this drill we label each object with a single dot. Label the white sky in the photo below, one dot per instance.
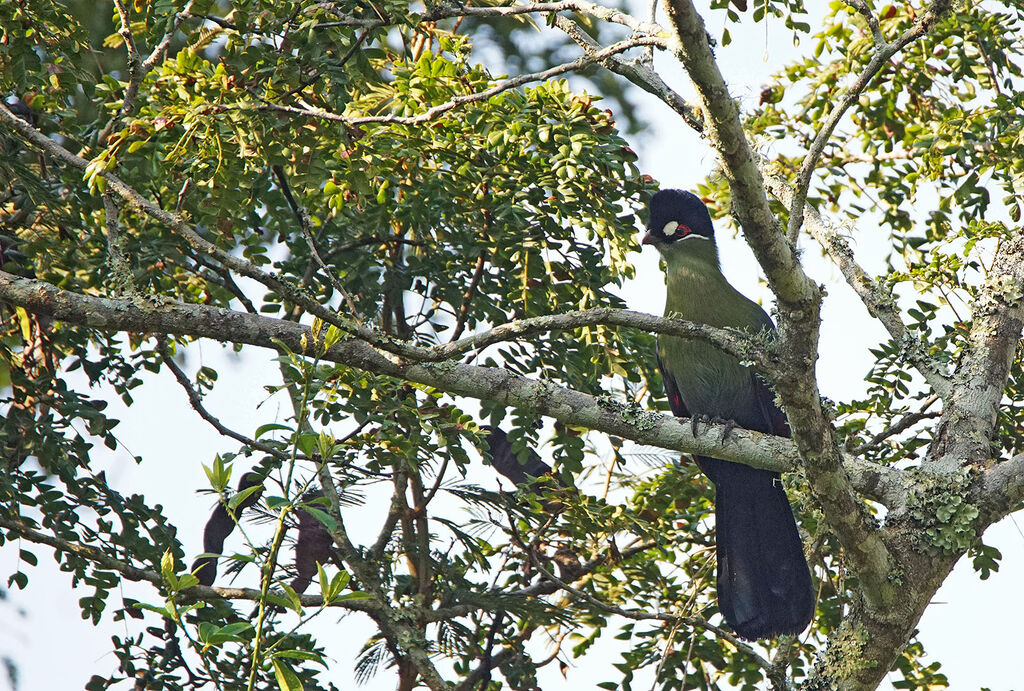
(972, 628)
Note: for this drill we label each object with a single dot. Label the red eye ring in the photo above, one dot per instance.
(682, 231)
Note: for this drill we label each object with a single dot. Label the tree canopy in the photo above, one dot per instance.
(409, 210)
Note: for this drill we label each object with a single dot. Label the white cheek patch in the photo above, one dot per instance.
(669, 229)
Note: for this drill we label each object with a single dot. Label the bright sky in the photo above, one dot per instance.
(972, 628)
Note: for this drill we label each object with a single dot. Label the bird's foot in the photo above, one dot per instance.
(708, 421)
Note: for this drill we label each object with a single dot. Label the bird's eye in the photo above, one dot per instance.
(669, 228)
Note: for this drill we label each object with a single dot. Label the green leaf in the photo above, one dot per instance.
(302, 655)
(238, 498)
(269, 427)
(287, 680)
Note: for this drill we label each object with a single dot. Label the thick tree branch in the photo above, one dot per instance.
(970, 414)
(799, 305)
(726, 136)
(1001, 489)
(799, 313)
(489, 383)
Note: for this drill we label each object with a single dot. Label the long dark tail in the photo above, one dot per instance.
(764, 583)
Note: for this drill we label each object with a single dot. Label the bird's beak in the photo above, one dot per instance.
(649, 239)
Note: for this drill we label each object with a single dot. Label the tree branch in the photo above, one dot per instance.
(871, 19)
(297, 295)
(488, 383)
(137, 67)
(970, 413)
(196, 402)
(293, 293)
(878, 300)
(640, 615)
(1001, 489)
(636, 71)
(133, 573)
(395, 625)
(442, 108)
(442, 11)
(302, 216)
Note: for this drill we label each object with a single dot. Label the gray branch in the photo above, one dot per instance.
(878, 300)
(435, 111)
(969, 417)
(487, 383)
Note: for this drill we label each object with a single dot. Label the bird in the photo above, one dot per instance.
(529, 473)
(764, 582)
(220, 525)
(506, 462)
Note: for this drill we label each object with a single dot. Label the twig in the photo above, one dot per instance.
(435, 487)
(137, 67)
(639, 73)
(467, 297)
(195, 401)
(304, 224)
(486, 662)
(869, 17)
(503, 657)
(883, 52)
(227, 282)
(878, 300)
(904, 423)
(441, 11)
(196, 593)
(440, 109)
(400, 480)
(373, 240)
(281, 286)
(401, 635)
(640, 615)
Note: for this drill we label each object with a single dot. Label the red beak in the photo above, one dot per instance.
(649, 239)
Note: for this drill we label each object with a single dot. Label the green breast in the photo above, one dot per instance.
(710, 381)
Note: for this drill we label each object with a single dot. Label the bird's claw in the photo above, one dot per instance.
(730, 425)
(699, 419)
(707, 420)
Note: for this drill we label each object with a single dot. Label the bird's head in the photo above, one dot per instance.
(676, 218)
